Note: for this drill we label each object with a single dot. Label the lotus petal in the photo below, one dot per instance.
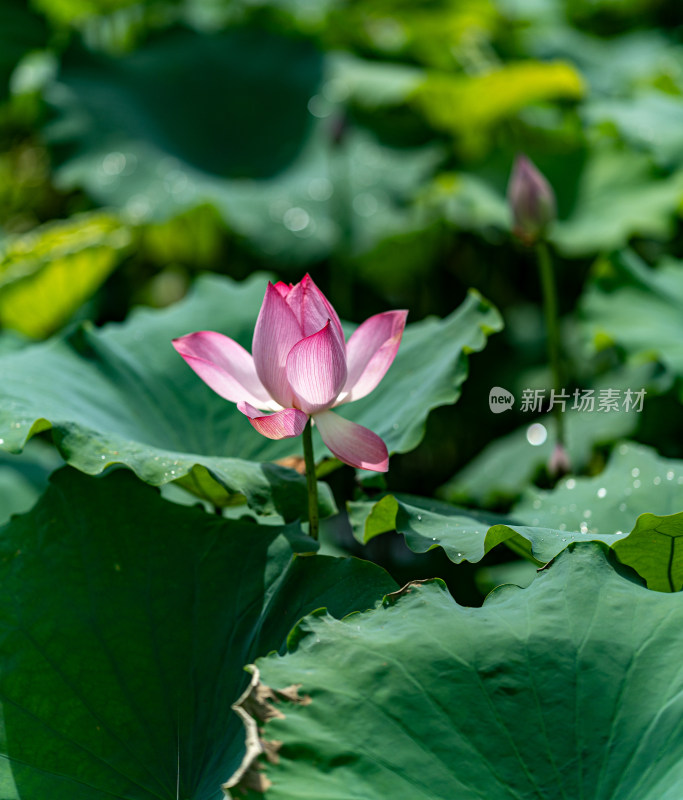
(276, 332)
(225, 366)
(370, 352)
(282, 424)
(316, 370)
(351, 443)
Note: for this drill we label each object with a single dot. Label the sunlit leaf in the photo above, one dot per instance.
(468, 106)
(47, 274)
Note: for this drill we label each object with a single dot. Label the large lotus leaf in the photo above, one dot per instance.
(508, 465)
(123, 395)
(47, 274)
(569, 688)
(147, 133)
(612, 65)
(638, 492)
(427, 523)
(120, 662)
(636, 480)
(23, 478)
(638, 308)
(620, 195)
(467, 201)
(21, 30)
(651, 121)
(468, 106)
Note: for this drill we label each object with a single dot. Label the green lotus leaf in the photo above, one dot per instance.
(637, 308)
(144, 133)
(544, 692)
(21, 31)
(125, 623)
(620, 195)
(634, 506)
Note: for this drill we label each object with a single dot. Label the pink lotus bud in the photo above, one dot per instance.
(532, 201)
(559, 463)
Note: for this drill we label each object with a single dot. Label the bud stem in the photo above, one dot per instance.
(552, 323)
(311, 482)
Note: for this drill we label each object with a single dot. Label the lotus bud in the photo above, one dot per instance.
(532, 201)
(559, 463)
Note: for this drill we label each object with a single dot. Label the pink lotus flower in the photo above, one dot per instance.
(301, 368)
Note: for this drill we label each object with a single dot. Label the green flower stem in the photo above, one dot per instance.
(311, 482)
(552, 324)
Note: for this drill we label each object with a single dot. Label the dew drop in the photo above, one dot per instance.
(296, 219)
(584, 527)
(319, 107)
(365, 204)
(622, 506)
(635, 472)
(571, 483)
(536, 434)
(320, 189)
(2, 441)
(602, 492)
(419, 517)
(587, 513)
(113, 164)
(669, 474)
(656, 480)
(636, 484)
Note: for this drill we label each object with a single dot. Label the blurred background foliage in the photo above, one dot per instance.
(370, 143)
